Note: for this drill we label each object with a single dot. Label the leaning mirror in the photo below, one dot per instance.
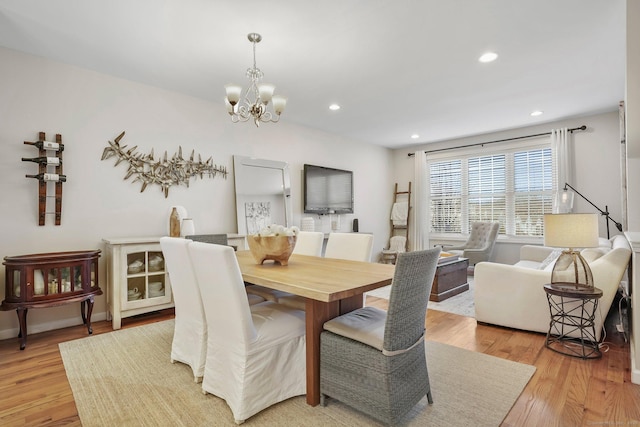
(263, 193)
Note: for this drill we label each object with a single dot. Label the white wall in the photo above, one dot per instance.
(88, 109)
(632, 105)
(596, 165)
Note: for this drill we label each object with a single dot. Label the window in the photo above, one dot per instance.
(513, 187)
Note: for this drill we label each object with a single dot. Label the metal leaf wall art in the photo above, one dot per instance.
(164, 172)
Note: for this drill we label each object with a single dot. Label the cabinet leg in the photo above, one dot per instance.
(82, 312)
(87, 318)
(22, 320)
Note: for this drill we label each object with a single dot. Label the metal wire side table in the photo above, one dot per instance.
(572, 326)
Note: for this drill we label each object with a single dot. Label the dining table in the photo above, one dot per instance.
(330, 286)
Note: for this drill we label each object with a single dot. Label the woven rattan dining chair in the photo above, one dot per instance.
(374, 361)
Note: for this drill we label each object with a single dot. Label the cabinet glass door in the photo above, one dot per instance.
(146, 279)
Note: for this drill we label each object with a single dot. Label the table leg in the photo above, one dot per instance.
(317, 312)
(351, 303)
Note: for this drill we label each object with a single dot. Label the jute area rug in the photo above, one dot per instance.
(125, 378)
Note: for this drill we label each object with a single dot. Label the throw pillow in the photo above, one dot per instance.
(550, 259)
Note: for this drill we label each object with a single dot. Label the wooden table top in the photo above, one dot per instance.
(318, 278)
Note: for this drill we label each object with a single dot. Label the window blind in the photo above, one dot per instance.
(513, 186)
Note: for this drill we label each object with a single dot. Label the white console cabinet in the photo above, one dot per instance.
(137, 281)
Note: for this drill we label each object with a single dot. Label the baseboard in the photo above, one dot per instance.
(50, 326)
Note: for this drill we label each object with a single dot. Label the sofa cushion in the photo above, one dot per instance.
(592, 254)
(605, 243)
(528, 264)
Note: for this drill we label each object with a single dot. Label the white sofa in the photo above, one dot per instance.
(513, 295)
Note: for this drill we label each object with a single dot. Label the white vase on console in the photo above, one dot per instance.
(187, 228)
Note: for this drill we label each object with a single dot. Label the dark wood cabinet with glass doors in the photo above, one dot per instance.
(49, 280)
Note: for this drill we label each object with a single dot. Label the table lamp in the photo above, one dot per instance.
(571, 231)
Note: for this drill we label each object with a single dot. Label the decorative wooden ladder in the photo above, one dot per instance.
(390, 256)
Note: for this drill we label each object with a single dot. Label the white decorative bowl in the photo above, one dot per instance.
(135, 267)
(155, 286)
(155, 263)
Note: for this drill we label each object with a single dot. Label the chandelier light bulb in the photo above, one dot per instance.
(254, 103)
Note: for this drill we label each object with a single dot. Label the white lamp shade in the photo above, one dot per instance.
(233, 93)
(265, 90)
(279, 102)
(571, 230)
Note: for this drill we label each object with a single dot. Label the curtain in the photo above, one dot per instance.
(420, 235)
(562, 153)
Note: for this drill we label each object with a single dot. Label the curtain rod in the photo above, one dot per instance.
(583, 127)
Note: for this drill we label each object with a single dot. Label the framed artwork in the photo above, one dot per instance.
(258, 216)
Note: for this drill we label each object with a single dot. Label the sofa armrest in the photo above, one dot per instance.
(534, 253)
(511, 296)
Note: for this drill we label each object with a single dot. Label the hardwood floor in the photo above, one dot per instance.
(564, 391)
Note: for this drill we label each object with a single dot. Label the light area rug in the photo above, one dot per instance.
(461, 304)
(125, 378)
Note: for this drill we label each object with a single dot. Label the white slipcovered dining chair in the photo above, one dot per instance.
(255, 356)
(189, 344)
(221, 239)
(349, 246)
(307, 243)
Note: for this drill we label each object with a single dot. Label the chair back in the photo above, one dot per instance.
(224, 298)
(184, 286)
(350, 246)
(309, 243)
(217, 239)
(190, 334)
(483, 236)
(409, 297)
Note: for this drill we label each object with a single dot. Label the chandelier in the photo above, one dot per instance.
(257, 96)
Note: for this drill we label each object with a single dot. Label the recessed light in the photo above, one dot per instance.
(334, 107)
(415, 136)
(536, 113)
(488, 57)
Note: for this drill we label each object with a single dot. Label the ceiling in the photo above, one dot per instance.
(396, 67)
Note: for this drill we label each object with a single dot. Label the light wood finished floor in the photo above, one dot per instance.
(564, 391)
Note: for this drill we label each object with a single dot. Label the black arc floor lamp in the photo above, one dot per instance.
(567, 202)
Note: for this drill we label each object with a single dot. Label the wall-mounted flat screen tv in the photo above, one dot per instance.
(327, 190)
